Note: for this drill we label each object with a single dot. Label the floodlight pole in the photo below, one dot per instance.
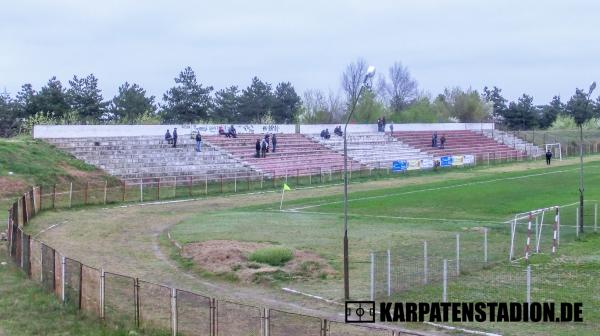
(346, 253)
(581, 188)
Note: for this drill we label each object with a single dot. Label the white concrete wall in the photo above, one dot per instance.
(90, 131)
(352, 128)
(369, 128)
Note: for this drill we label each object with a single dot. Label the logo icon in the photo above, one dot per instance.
(360, 312)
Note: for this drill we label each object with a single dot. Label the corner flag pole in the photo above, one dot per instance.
(285, 187)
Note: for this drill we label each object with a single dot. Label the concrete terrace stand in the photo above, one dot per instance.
(139, 151)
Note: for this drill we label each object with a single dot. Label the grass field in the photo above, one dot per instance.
(397, 213)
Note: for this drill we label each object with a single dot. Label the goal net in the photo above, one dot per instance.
(536, 231)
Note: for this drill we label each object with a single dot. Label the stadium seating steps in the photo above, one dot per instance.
(295, 154)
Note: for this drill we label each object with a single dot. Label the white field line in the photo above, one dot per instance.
(433, 189)
(390, 217)
(289, 290)
(49, 228)
(173, 241)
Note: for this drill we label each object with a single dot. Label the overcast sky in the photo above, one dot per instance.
(539, 47)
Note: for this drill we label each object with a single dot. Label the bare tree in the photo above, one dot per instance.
(400, 90)
(352, 79)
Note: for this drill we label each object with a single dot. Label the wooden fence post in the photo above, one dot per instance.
(158, 190)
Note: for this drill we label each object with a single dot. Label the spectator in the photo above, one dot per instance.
(198, 142)
(232, 132)
(338, 131)
(257, 148)
(548, 157)
(434, 139)
(383, 123)
(274, 142)
(222, 131)
(392, 128)
(168, 137)
(442, 141)
(175, 138)
(327, 135)
(378, 124)
(263, 148)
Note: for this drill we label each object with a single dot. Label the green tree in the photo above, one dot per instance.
(52, 98)
(131, 104)
(286, 104)
(522, 114)
(86, 98)
(27, 101)
(256, 101)
(188, 101)
(580, 108)
(494, 96)
(227, 105)
(8, 115)
(369, 109)
(549, 113)
(466, 106)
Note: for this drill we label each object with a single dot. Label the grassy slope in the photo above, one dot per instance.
(25, 309)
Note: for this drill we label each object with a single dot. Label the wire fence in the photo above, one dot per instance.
(132, 303)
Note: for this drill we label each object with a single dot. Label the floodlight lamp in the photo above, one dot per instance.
(592, 88)
(370, 73)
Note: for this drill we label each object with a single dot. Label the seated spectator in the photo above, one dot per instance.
(323, 134)
(232, 132)
(338, 131)
(169, 138)
(222, 131)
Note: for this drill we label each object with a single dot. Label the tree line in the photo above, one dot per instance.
(188, 101)
(394, 94)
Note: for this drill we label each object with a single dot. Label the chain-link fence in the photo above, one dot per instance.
(451, 267)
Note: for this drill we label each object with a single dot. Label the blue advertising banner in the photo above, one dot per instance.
(400, 165)
(446, 161)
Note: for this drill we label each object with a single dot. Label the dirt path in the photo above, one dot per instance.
(125, 239)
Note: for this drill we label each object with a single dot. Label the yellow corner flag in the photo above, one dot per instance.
(285, 187)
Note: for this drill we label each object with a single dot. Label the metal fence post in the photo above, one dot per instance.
(528, 283)
(577, 223)
(123, 191)
(158, 189)
(235, 182)
(53, 196)
(86, 191)
(141, 190)
(63, 263)
(102, 287)
(174, 311)
(136, 298)
(457, 254)
(595, 217)
(445, 281)
(71, 195)
(389, 273)
(425, 262)
(372, 276)
(485, 245)
(105, 190)
(266, 312)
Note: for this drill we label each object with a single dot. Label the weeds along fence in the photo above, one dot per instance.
(133, 303)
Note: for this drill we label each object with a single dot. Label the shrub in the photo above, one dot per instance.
(274, 256)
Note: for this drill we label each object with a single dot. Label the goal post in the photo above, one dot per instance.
(534, 232)
(555, 149)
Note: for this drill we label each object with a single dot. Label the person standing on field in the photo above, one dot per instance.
(548, 157)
